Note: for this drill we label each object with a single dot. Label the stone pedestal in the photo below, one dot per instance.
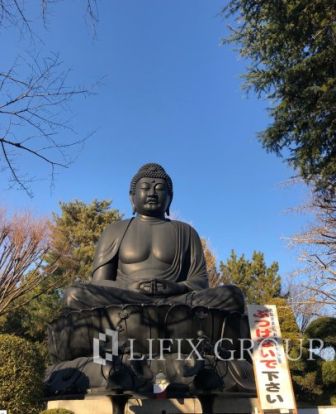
(234, 405)
(104, 405)
(89, 405)
(169, 406)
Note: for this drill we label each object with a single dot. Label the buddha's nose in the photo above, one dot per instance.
(152, 191)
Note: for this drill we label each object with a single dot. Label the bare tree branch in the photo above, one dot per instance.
(34, 100)
(14, 13)
(24, 245)
(32, 109)
(318, 251)
(210, 261)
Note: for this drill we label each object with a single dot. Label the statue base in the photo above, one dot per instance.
(110, 405)
(81, 341)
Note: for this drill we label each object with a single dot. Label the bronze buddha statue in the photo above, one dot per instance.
(149, 282)
(149, 258)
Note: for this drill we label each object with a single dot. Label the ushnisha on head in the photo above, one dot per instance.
(151, 191)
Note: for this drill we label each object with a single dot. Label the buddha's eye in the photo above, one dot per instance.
(160, 187)
(145, 186)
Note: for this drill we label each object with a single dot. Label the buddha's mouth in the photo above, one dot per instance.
(151, 201)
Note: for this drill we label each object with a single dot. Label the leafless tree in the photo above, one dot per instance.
(34, 98)
(14, 12)
(210, 260)
(304, 305)
(318, 252)
(32, 116)
(24, 245)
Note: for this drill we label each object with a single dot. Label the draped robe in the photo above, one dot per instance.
(188, 267)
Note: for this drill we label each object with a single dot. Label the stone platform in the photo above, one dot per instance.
(104, 405)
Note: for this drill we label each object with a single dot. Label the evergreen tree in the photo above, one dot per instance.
(291, 49)
(31, 315)
(325, 329)
(288, 325)
(314, 378)
(75, 233)
(258, 281)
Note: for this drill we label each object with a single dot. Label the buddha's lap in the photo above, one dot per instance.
(82, 296)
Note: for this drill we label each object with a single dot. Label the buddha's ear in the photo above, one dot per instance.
(131, 196)
(168, 207)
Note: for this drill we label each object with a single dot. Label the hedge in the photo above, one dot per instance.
(21, 375)
(329, 373)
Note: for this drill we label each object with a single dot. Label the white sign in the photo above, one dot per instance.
(274, 384)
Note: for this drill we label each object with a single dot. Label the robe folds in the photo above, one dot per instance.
(188, 267)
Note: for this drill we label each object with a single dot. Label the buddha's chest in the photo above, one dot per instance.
(146, 241)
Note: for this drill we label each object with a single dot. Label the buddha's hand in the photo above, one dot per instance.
(158, 287)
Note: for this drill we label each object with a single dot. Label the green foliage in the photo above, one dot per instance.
(258, 281)
(291, 49)
(21, 374)
(323, 328)
(288, 325)
(57, 411)
(74, 235)
(30, 319)
(306, 376)
(307, 387)
(314, 379)
(329, 373)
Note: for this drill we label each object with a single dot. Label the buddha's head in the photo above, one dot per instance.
(151, 191)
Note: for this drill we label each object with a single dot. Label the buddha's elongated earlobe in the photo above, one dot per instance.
(169, 203)
(132, 204)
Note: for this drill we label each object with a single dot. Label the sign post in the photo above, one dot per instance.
(271, 371)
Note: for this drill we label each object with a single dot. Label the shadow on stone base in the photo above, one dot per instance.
(104, 405)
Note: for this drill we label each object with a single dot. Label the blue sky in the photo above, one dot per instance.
(169, 93)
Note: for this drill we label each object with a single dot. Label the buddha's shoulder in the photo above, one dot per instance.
(184, 226)
(115, 228)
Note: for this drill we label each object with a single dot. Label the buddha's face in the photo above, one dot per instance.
(151, 197)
